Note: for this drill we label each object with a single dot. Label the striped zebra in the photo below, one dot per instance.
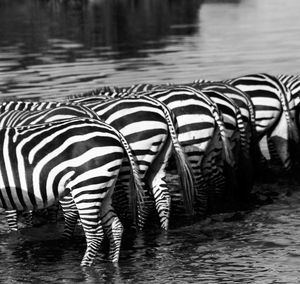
(150, 131)
(292, 83)
(240, 179)
(42, 114)
(242, 100)
(29, 105)
(42, 163)
(58, 111)
(238, 131)
(149, 127)
(237, 135)
(201, 131)
(248, 133)
(272, 113)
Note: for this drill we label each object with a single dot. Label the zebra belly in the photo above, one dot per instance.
(14, 202)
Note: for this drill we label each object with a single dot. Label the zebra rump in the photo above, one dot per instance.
(42, 163)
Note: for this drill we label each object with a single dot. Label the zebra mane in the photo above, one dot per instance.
(105, 90)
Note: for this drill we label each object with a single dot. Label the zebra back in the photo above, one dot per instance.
(28, 105)
(16, 132)
(292, 83)
(185, 171)
(137, 192)
(270, 81)
(149, 90)
(13, 118)
(214, 110)
(238, 96)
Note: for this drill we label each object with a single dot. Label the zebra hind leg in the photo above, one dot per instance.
(113, 228)
(89, 213)
(71, 216)
(12, 219)
(156, 178)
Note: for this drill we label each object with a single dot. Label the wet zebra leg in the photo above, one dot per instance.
(70, 216)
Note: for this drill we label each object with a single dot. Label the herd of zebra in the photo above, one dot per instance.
(104, 154)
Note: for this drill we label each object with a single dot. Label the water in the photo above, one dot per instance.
(261, 246)
(51, 49)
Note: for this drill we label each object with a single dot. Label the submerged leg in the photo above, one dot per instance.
(89, 213)
(156, 178)
(112, 226)
(12, 219)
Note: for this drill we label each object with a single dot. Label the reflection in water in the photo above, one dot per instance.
(50, 47)
(123, 27)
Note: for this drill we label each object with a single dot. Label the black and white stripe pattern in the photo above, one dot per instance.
(150, 131)
(37, 113)
(272, 113)
(242, 100)
(41, 164)
(238, 119)
(12, 118)
(201, 130)
(149, 128)
(292, 83)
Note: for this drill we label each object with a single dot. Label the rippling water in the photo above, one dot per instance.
(261, 246)
(54, 48)
(51, 49)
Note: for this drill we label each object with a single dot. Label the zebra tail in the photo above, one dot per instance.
(183, 166)
(229, 157)
(137, 185)
(292, 129)
(137, 190)
(243, 135)
(186, 178)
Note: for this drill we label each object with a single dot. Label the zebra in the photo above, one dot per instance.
(13, 118)
(201, 130)
(272, 112)
(237, 134)
(235, 126)
(29, 105)
(149, 115)
(58, 111)
(292, 83)
(242, 100)
(239, 187)
(42, 163)
(245, 108)
(151, 141)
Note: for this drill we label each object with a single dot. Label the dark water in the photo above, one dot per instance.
(51, 49)
(261, 246)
